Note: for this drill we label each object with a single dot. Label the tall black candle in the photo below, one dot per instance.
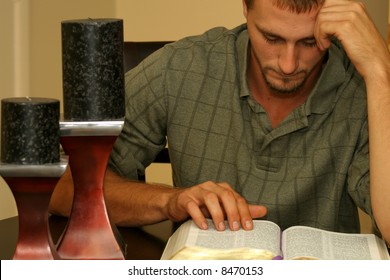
(30, 130)
(93, 73)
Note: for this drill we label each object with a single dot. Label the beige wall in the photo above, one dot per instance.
(379, 11)
(14, 48)
(173, 19)
(46, 17)
(30, 52)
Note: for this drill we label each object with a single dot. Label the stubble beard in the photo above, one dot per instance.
(286, 86)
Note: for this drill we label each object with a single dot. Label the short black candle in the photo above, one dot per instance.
(93, 73)
(30, 130)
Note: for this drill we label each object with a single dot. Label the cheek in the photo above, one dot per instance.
(267, 57)
(264, 53)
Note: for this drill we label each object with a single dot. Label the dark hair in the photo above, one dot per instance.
(296, 6)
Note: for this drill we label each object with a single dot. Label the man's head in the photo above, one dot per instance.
(283, 46)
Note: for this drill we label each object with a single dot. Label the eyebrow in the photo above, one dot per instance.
(271, 34)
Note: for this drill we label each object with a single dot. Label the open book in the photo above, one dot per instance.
(266, 241)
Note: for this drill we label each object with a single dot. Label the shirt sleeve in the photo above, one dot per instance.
(359, 173)
(144, 131)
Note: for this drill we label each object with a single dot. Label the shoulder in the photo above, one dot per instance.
(214, 35)
(216, 47)
(217, 38)
(193, 52)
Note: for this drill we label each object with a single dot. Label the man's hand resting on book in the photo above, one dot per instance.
(217, 201)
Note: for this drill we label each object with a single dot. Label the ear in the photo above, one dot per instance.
(245, 8)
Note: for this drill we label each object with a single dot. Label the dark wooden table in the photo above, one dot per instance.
(140, 244)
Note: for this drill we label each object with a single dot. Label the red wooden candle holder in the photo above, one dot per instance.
(32, 187)
(89, 233)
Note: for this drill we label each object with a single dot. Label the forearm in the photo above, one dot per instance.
(132, 203)
(378, 97)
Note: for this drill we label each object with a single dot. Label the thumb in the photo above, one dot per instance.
(257, 211)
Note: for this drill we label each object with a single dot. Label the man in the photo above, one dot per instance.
(268, 120)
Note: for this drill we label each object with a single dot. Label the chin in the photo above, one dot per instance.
(285, 90)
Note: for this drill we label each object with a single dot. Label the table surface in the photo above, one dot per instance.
(140, 244)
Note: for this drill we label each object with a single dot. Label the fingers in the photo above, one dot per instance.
(223, 202)
(349, 22)
(257, 211)
(336, 18)
(197, 215)
(217, 201)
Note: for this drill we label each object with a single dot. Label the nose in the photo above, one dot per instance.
(288, 60)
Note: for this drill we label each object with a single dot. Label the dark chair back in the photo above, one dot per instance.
(135, 52)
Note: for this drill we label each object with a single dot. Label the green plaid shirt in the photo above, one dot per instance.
(313, 169)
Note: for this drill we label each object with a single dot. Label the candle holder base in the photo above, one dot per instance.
(89, 233)
(32, 187)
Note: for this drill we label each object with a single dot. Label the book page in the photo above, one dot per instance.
(177, 241)
(262, 241)
(309, 243)
(265, 235)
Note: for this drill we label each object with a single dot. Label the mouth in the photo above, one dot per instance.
(287, 78)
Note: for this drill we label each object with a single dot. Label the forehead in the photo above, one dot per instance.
(282, 22)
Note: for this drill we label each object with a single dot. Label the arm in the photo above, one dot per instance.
(154, 203)
(133, 203)
(350, 23)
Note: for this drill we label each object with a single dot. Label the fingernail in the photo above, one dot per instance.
(236, 225)
(204, 225)
(248, 224)
(221, 226)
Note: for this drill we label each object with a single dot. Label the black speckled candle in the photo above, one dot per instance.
(92, 66)
(30, 130)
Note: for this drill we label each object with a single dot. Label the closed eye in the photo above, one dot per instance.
(309, 42)
(272, 39)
